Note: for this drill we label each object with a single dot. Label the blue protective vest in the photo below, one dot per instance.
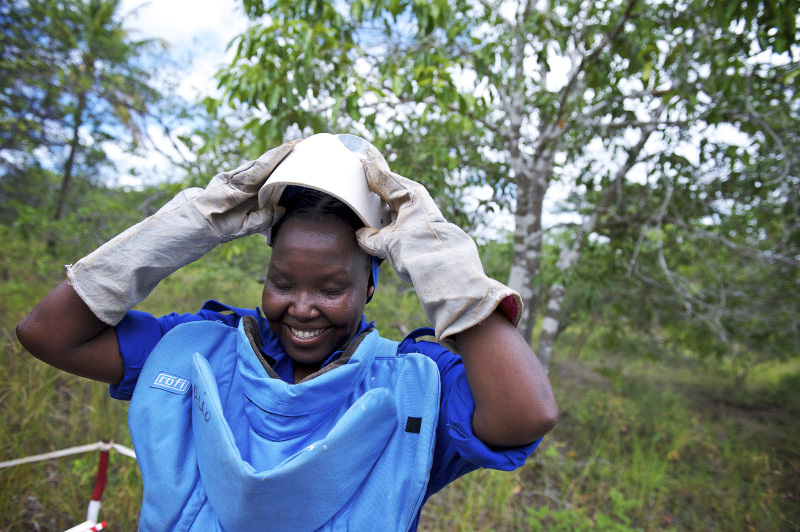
(223, 446)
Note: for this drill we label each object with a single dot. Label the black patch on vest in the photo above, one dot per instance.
(413, 424)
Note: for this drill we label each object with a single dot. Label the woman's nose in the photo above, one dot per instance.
(304, 307)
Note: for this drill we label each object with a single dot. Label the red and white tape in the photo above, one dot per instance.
(99, 446)
(87, 526)
(91, 524)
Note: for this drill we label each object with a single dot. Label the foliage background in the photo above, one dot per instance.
(647, 440)
(676, 364)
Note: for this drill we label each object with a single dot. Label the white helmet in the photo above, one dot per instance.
(330, 164)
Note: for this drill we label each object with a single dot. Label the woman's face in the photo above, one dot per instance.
(316, 289)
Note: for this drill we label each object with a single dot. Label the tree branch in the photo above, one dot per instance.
(764, 256)
(633, 123)
(591, 56)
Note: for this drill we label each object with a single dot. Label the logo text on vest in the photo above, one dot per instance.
(171, 383)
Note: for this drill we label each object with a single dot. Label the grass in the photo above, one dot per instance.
(643, 443)
(44, 410)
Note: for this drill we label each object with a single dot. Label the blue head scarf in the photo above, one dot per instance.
(376, 263)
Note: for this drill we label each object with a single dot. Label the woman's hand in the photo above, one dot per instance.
(439, 258)
(514, 403)
(123, 271)
(72, 327)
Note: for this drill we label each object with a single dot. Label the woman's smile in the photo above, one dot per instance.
(306, 334)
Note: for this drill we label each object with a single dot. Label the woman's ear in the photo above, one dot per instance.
(370, 290)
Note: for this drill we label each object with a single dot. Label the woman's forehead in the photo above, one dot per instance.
(316, 242)
(319, 229)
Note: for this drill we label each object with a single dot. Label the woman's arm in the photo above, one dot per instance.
(514, 402)
(75, 332)
(63, 332)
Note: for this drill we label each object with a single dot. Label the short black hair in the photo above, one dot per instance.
(313, 204)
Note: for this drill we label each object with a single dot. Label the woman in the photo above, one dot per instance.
(303, 418)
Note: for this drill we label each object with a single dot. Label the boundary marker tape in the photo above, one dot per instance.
(91, 524)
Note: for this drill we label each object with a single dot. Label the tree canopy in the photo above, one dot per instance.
(665, 134)
(672, 126)
(73, 80)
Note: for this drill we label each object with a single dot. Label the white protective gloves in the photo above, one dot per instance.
(122, 272)
(437, 257)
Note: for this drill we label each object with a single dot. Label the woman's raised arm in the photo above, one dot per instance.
(73, 327)
(63, 332)
(514, 402)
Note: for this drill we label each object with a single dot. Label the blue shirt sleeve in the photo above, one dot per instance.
(458, 451)
(139, 332)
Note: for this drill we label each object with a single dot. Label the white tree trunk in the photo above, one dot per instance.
(550, 324)
(568, 257)
(526, 263)
(531, 189)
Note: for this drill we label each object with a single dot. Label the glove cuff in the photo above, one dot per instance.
(122, 272)
(457, 315)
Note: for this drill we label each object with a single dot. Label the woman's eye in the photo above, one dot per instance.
(332, 292)
(280, 287)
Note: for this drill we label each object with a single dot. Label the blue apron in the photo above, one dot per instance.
(223, 446)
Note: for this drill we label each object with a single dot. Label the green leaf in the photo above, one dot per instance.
(273, 97)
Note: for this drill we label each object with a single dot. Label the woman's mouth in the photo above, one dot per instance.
(306, 334)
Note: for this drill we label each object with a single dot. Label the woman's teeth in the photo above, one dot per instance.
(306, 335)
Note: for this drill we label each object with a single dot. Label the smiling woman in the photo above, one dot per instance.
(302, 417)
(318, 281)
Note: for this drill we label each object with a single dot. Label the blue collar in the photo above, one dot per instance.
(283, 365)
